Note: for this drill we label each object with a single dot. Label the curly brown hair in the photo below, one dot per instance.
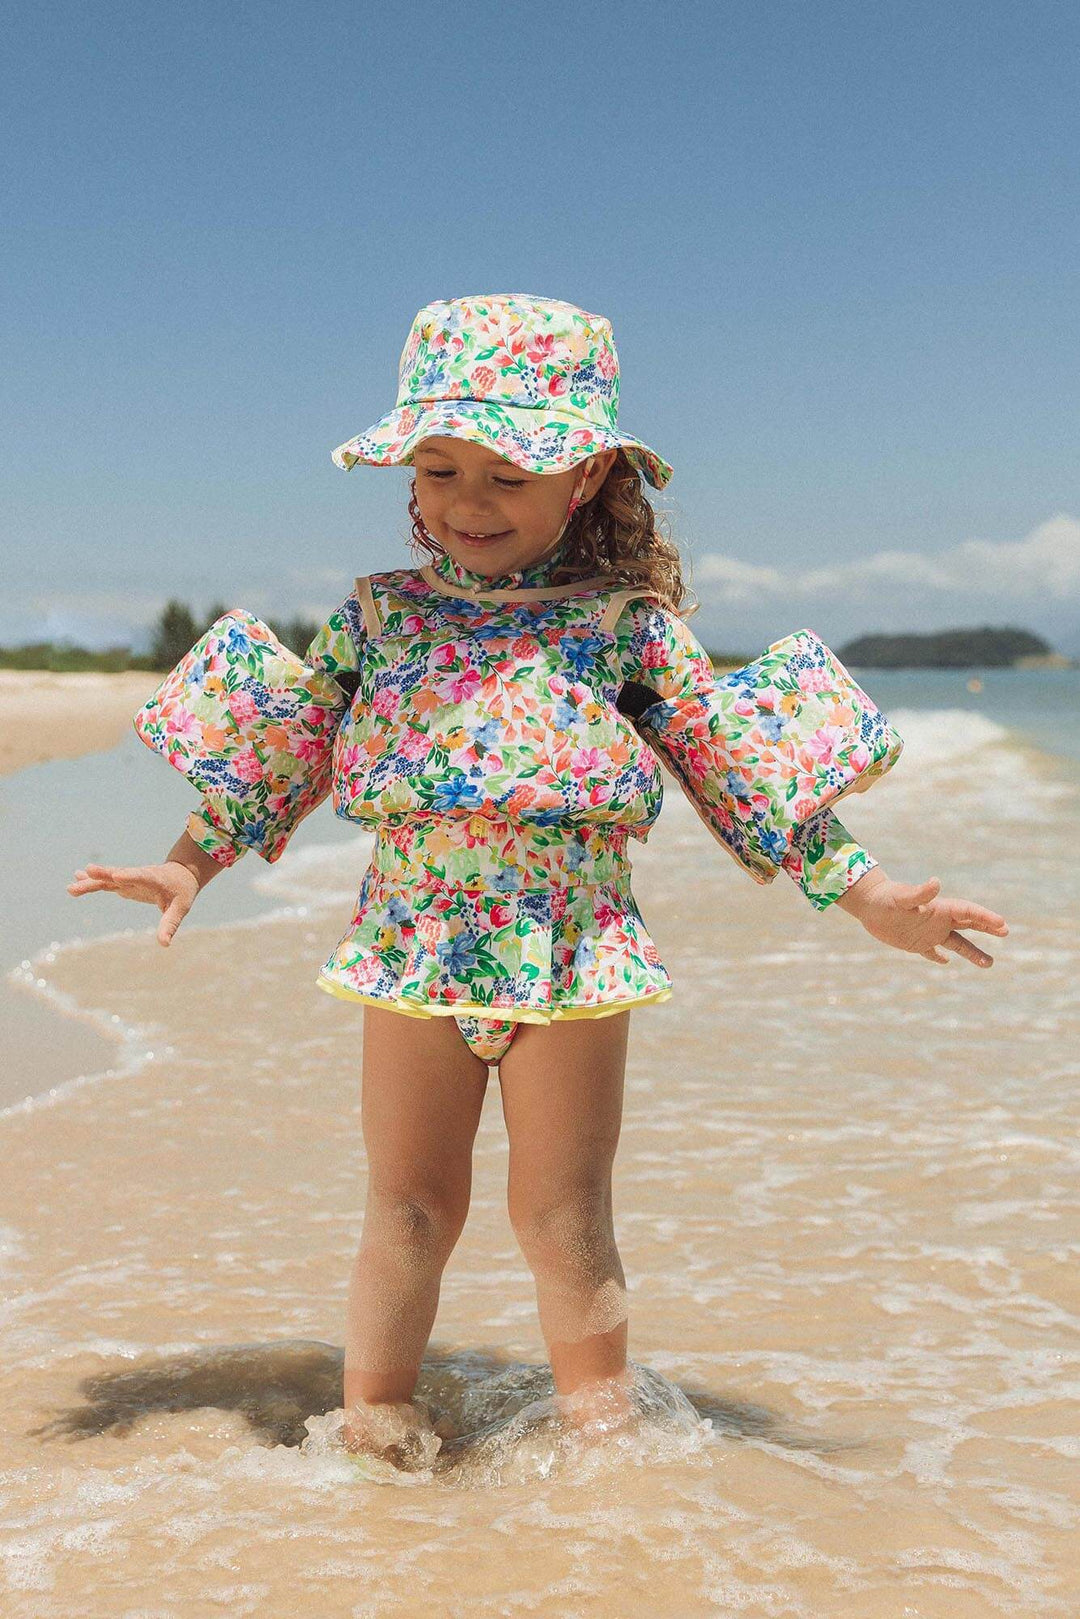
(614, 534)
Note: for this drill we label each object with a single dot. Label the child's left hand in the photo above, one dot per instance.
(913, 916)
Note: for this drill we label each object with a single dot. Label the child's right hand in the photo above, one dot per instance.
(172, 887)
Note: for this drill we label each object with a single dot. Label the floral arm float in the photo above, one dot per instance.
(252, 726)
(763, 752)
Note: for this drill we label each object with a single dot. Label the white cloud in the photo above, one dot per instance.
(1045, 563)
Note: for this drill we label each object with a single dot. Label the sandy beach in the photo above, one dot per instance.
(45, 716)
(845, 1198)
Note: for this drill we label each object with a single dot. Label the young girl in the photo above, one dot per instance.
(496, 716)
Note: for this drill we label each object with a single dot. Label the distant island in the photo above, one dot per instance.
(983, 648)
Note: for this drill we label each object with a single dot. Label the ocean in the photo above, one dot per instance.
(845, 1200)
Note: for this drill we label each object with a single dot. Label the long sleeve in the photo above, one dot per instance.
(252, 726)
(761, 752)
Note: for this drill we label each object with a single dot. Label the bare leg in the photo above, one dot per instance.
(423, 1091)
(562, 1090)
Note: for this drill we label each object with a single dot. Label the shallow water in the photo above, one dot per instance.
(846, 1203)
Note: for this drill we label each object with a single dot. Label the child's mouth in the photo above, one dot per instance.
(481, 539)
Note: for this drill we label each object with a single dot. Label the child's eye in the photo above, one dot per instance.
(510, 483)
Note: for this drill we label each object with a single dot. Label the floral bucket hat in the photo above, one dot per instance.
(533, 379)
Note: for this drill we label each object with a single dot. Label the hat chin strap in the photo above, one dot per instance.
(575, 502)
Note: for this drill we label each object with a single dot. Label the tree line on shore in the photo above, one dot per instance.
(983, 648)
(178, 628)
(176, 631)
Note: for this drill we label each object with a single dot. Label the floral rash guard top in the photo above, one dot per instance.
(503, 751)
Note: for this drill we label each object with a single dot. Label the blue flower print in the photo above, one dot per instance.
(659, 715)
(584, 955)
(580, 650)
(746, 679)
(237, 640)
(771, 726)
(487, 734)
(457, 791)
(506, 882)
(254, 833)
(456, 955)
(774, 843)
(431, 376)
(574, 855)
(563, 715)
(548, 817)
(737, 787)
(397, 911)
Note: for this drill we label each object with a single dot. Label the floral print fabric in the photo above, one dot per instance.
(761, 750)
(481, 916)
(252, 726)
(535, 380)
(480, 739)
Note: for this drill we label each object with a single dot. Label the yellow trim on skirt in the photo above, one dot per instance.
(509, 1014)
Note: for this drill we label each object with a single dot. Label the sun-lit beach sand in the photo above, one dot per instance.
(846, 1204)
(44, 715)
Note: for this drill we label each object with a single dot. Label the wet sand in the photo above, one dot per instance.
(45, 716)
(846, 1203)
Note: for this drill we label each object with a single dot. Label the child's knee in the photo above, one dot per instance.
(572, 1230)
(415, 1221)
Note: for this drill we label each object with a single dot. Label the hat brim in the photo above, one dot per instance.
(537, 440)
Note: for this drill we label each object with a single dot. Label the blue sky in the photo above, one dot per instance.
(837, 243)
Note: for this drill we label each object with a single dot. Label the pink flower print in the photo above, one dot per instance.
(653, 655)
(448, 653)
(859, 757)
(600, 794)
(483, 380)
(310, 748)
(246, 765)
(699, 762)
(363, 972)
(605, 363)
(178, 722)
(556, 386)
(385, 702)
(542, 347)
(348, 760)
(581, 436)
(460, 686)
(587, 762)
(242, 707)
(501, 915)
(745, 707)
(813, 680)
(414, 746)
(406, 421)
(824, 744)
(412, 624)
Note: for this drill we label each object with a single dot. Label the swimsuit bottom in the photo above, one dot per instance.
(496, 923)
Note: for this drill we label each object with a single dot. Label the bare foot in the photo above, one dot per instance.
(601, 1406)
(399, 1433)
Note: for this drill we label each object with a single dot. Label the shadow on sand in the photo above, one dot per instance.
(485, 1402)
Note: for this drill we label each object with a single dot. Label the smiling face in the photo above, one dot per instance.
(490, 515)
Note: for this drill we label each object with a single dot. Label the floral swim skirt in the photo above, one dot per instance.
(474, 917)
